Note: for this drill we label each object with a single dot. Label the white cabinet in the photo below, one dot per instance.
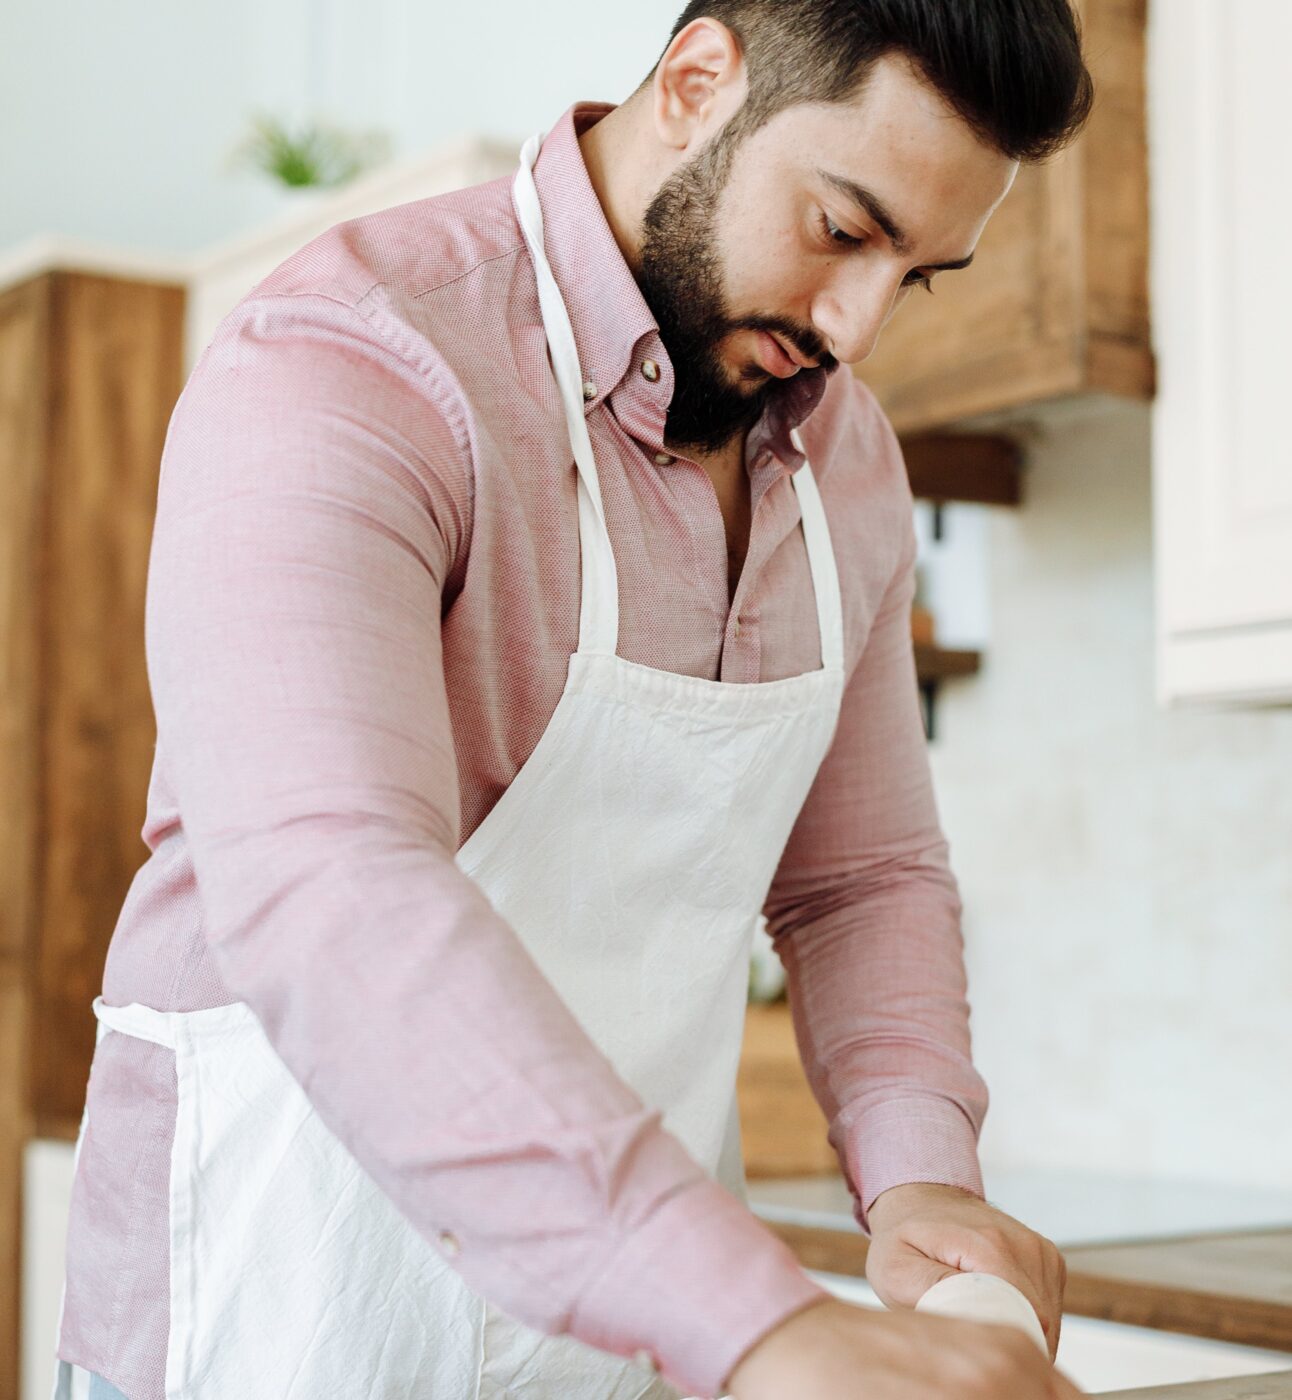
(48, 1169)
(1222, 309)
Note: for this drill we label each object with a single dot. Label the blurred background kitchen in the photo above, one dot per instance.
(1094, 421)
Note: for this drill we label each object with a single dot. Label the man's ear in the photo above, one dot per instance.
(698, 84)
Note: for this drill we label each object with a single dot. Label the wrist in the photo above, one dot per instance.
(898, 1201)
(769, 1351)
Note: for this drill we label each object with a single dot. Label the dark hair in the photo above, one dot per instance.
(1012, 69)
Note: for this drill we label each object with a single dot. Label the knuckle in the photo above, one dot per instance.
(999, 1363)
(993, 1377)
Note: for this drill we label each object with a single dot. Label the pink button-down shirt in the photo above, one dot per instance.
(362, 597)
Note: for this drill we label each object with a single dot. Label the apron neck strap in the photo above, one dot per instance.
(599, 605)
(821, 560)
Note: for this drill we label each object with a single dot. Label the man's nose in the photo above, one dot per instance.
(851, 327)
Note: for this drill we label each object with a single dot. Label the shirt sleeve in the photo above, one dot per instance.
(314, 499)
(865, 913)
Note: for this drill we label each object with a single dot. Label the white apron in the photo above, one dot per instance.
(632, 855)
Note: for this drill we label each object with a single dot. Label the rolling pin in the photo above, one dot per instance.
(981, 1298)
(984, 1298)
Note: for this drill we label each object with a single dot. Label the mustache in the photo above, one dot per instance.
(808, 346)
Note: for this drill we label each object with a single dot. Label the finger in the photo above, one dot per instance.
(1056, 1284)
(1051, 1317)
(1034, 1265)
(1043, 1303)
(1041, 1268)
(1048, 1312)
(1016, 1254)
(1053, 1337)
(1010, 1251)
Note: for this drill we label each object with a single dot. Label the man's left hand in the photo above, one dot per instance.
(922, 1232)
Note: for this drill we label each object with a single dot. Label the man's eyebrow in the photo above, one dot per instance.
(878, 210)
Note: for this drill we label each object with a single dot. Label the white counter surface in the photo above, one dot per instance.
(1070, 1208)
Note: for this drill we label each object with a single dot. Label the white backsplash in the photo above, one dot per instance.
(1126, 871)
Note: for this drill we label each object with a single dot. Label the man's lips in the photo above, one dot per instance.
(780, 357)
(773, 358)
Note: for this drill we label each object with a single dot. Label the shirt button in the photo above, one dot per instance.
(737, 627)
(644, 1358)
(589, 390)
(662, 459)
(449, 1242)
(651, 370)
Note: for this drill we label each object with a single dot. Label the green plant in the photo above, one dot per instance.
(321, 155)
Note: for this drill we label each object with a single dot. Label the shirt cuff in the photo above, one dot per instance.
(696, 1286)
(907, 1140)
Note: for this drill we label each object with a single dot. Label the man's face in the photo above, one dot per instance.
(770, 248)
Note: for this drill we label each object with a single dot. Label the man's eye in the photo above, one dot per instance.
(835, 234)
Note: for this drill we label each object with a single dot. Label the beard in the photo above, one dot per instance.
(681, 280)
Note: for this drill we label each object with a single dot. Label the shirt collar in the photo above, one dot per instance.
(614, 330)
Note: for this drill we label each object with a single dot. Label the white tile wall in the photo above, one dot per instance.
(1126, 871)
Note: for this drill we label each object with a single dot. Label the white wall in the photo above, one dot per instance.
(116, 121)
(48, 1169)
(1126, 871)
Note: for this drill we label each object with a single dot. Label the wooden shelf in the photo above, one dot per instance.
(934, 663)
(985, 468)
(980, 467)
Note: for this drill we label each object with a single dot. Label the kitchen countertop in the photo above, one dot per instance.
(1231, 1286)
(1277, 1386)
(1198, 1258)
(1070, 1208)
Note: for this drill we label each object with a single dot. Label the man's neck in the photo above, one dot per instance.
(614, 152)
(613, 159)
(729, 459)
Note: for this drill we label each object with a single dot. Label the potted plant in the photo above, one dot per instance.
(321, 156)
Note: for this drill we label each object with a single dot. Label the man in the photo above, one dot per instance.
(528, 610)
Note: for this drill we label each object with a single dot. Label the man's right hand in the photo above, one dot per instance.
(833, 1350)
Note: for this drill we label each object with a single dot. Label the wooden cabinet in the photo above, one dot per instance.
(782, 1128)
(1222, 467)
(89, 374)
(1056, 302)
